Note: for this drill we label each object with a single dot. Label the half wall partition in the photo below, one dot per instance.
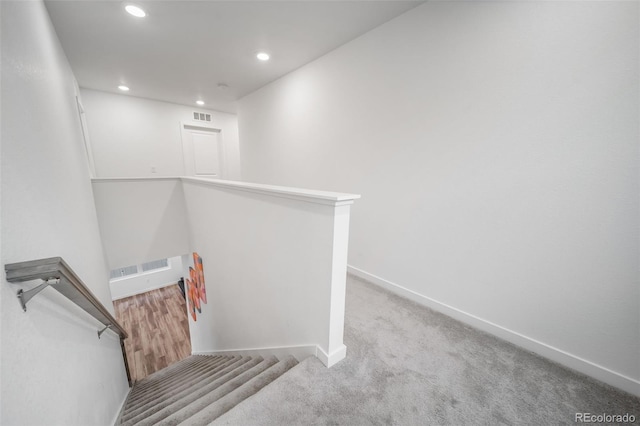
(275, 258)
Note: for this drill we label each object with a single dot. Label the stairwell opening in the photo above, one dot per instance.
(158, 328)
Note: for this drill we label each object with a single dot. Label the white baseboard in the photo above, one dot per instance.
(329, 360)
(116, 420)
(299, 352)
(144, 290)
(581, 365)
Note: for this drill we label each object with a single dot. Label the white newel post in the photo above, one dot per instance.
(336, 348)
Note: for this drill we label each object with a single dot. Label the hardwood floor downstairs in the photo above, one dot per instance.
(158, 329)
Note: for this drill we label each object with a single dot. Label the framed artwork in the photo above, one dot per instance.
(196, 289)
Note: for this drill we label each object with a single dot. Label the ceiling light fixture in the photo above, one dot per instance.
(123, 88)
(263, 56)
(135, 11)
(199, 102)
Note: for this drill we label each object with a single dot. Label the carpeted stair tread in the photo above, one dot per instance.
(162, 376)
(171, 370)
(164, 381)
(198, 389)
(189, 377)
(141, 399)
(158, 377)
(210, 397)
(182, 393)
(151, 378)
(198, 393)
(233, 398)
(214, 372)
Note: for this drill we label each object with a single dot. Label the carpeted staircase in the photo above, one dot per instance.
(197, 390)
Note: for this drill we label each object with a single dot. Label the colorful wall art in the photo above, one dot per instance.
(197, 292)
(197, 263)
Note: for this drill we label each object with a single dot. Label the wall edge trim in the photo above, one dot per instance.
(552, 353)
(300, 352)
(329, 360)
(145, 290)
(118, 417)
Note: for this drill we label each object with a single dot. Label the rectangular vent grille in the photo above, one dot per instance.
(156, 264)
(199, 116)
(138, 269)
(123, 272)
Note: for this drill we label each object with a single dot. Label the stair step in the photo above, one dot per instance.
(192, 382)
(247, 389)
(165, 372)
(155, 380)
(203, 391)
(197, 390)
(210, 397)
(182, 394)
(186, 376)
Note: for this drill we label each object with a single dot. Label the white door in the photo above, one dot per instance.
(202, 151)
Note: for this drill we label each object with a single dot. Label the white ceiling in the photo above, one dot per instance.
(182, 50)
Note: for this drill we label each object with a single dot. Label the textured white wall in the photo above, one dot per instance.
(130, 135)
(495, 145)
(54, 369)
(141, 220)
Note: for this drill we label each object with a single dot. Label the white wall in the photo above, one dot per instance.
(275, 268)
(131, 135)
(55, 370)
(495, 145)
(147, 281)
(141, 219)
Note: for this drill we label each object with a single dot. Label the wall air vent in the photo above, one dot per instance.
(200, 116)
(123, 272)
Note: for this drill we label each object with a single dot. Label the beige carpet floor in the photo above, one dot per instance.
(408, 365)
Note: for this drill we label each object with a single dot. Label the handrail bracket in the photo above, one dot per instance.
(25, 296)
(106, 327)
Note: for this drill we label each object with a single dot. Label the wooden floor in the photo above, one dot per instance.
(158, 329)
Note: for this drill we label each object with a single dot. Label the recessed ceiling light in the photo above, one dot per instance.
(135, 11)
(263, 56)
(200, 102)
(123, 88)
